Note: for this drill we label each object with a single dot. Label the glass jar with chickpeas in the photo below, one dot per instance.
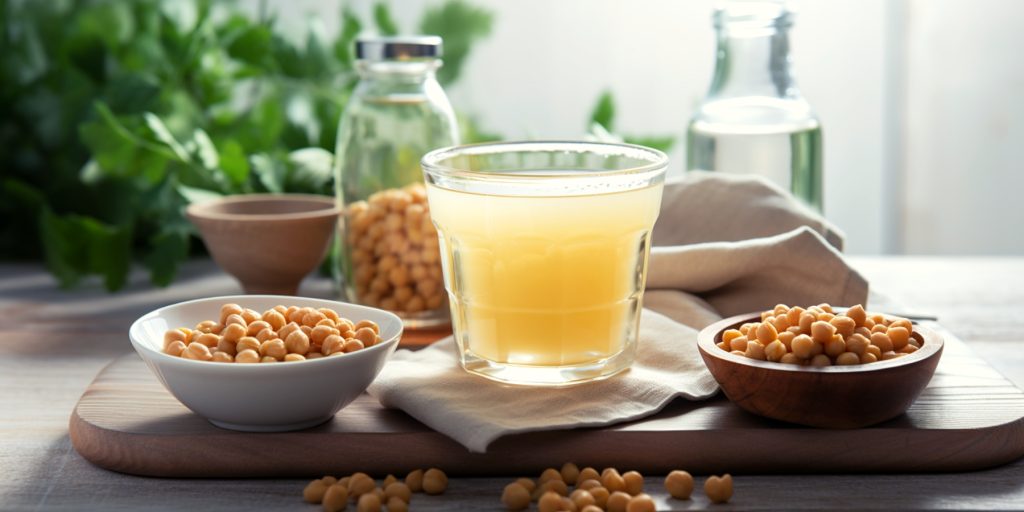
(390, 256)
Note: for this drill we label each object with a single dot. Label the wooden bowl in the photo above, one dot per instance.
(830, 397)
(269, 242)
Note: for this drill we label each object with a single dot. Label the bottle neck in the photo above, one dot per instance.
(403, 74)
(752, 57)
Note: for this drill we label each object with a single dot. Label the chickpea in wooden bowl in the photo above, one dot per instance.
(821, 367)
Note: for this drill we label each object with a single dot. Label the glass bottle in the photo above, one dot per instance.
(398, 112)
(753, 119)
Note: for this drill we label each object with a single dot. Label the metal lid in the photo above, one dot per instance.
(398, 47)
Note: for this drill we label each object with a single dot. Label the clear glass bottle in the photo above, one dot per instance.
(753, 119)
(390, 256)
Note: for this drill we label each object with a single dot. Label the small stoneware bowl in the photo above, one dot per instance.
(831, 397)
(269, 242)
(263, 397)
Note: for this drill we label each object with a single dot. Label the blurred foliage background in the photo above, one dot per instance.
(114, 115)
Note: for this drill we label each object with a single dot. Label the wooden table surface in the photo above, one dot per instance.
(52, 344)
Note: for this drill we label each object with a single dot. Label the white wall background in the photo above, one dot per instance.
(920, 100)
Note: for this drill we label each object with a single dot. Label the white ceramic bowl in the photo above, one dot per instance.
(263, 397)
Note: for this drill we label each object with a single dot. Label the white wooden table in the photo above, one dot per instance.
(52, 344)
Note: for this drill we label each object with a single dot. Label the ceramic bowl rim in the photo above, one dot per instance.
(158, 355)
(932, 345)
(204, 211)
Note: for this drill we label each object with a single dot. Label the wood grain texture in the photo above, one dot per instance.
(829, 397)
(54, 342)
(969, 418)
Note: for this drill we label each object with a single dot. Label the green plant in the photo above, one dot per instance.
(602, 126)
(114, 115)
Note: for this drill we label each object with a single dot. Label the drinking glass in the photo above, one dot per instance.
(544, 250)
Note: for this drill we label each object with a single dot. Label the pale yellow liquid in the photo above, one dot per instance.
(545, 281)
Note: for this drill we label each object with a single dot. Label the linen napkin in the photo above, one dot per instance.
(724, 245)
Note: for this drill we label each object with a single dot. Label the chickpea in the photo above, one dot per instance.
(882, 341)
(588, 484)
(366, 335)
(274, 319)
(774, 351)
(254, 328)
(515, 497)
(397, 505)
(292, 358)
(314, 491)
(871, 349)
(739, 344)
(235, 319)
(197, 351)
(227, 347)
(312, 317)
(781, 323)
(297, 343)
(899, 336)
(592, 508)
(786, 338)
(868, 357)
(360, 484)
(247, 356)
(268, 359)
(612, 480)
(600, 495)
(807, 319)
(618, 501)
(335, 498)
(555, 485)
(549, 502)
(415, 480)
(434, 481)
(248, 343)
(588, 473)
(766, 333)
(329, 480)
(207, 326)
(333, 343)
(803, 346)
(822, 332)
(397, 489)
(835, 346)
(755, 350)
(857, 344)
(222, 357)
(844, 325)
(210, 340)
(570, 473)
(582, 498)
(880, 327)
(679, 484)
(174, 335)
(175, 348)
(274, 348)
(909, 349)
(790, 358)
(821, 360)
(904, 323)
(368, 502)
(352, 346)
(847, 358)
(718, 489)
(230, 309)
(730, 335)
(641, 503)
(634, 482)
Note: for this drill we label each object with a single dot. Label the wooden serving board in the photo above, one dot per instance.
(968, 418)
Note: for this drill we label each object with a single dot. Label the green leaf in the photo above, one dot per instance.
(168, 248)
(163, 134)
(78, 245)
(604, 111)
(661, 143)
(269, 173)
(460, 24)
(234, 162)
(350, 28)
(197, 195)
(252, 44)
(121, 152)
(382, 18)
(311, 169)
(205, 151)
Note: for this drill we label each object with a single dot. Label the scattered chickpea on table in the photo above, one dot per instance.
(817, 336)
(279, 334)
(608, 491)
(334, 494)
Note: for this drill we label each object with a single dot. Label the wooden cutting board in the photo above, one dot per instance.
(968, 418)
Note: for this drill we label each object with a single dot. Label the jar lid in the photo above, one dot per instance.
(398, 47)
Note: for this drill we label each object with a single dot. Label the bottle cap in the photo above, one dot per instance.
(398, 48)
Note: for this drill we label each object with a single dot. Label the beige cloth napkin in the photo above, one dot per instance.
(725, 245)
